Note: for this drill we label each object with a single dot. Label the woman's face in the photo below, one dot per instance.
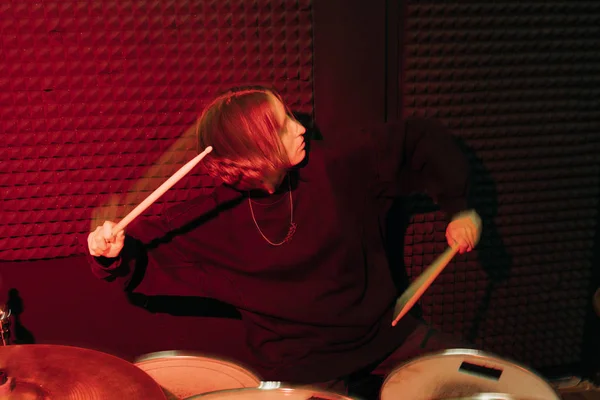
(292, 135)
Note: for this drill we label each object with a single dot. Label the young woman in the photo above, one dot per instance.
(292, 237)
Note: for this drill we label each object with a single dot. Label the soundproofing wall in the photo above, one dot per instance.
(98, 101)
(518, 83)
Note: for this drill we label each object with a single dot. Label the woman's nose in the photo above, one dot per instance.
(301, 129)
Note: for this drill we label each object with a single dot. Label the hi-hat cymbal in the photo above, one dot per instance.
(41, 371)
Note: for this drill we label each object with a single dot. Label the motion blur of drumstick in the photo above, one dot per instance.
(422, 283)
(162, 189)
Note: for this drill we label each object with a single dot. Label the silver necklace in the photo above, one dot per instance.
(292, 228)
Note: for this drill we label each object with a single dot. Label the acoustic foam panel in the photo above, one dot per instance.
(518, 83)
(97, 101)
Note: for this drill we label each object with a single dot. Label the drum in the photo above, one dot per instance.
(182, 374)
(488, 396)
(287, 393)
(460, 373)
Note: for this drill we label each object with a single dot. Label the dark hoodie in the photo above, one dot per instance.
(319, 306)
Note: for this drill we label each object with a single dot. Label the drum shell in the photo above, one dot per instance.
(184, 374)
(287, 393)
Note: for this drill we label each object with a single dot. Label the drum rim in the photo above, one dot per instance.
(487, 396)
(467, 352)
(275, 389)
(183, 354)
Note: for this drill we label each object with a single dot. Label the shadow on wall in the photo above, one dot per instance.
(491, 252)
(19, 333)
(312, 131)
(184, 306)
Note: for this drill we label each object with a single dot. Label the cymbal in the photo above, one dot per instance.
(42, 371)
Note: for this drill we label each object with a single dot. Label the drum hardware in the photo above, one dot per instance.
(267, 385)
(4, 325)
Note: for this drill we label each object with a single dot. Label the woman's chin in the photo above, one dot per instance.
(297, 157)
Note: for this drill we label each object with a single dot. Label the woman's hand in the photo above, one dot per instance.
(101, 241)
(464, 231)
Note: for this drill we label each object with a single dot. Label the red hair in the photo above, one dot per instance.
(242, 127)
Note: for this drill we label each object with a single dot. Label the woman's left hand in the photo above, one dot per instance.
(464, 231)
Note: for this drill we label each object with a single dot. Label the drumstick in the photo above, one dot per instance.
(420, 285)
(162, 189)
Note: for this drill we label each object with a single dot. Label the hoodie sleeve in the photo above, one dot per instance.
(151, 249)
(420, 155)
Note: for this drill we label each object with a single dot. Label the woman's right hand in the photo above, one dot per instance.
(101, 242)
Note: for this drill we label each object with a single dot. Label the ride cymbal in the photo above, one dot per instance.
(41, 371)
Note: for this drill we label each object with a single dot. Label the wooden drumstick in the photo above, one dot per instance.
(162, 189)
(420, 285)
